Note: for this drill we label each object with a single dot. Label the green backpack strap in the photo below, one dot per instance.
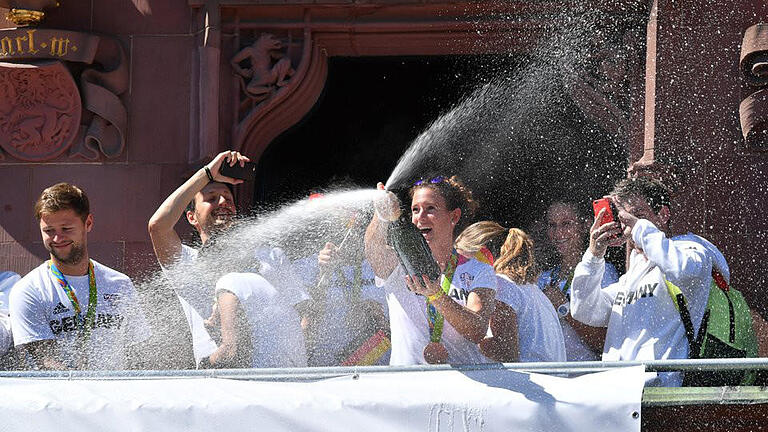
(681, 304)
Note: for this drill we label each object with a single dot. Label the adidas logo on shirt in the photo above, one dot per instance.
(60, 309)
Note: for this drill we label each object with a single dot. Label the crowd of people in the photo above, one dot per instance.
(354, 303)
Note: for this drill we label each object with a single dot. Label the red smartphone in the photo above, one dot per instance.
(610, 210)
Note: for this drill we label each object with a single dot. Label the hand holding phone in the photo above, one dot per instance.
(247, 172)
(611, 213)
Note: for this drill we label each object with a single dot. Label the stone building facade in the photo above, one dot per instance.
(126, 98)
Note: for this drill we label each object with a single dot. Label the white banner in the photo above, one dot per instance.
(491, 400)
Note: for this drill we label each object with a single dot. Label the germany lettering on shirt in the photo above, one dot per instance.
(623, 299)
(69, 324)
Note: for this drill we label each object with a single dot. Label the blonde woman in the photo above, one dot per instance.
(524, 325)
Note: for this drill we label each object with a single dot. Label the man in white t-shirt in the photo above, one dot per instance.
(643, 322)
(71, 311)
(206, 201)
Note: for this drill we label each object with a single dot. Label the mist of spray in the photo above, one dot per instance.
(507, 132)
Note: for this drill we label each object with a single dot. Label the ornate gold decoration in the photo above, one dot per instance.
(25, 17)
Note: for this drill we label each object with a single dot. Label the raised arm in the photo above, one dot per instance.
(165, 240)
(677, 260)
(381, 256)
(590, 303)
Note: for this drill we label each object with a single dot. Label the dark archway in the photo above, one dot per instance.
(370, 111)
(373, 107)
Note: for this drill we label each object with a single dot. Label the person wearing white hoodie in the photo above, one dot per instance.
(642, 321)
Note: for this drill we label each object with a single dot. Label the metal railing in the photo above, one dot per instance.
(309, 374)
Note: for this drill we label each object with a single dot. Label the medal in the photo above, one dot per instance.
(435, 353)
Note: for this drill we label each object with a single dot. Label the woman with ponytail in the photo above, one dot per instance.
(524, 325)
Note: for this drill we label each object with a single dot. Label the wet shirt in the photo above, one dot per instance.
(575, 348)
(642, 321)
(409, 321)
(276, 333)
(41, 310)
(540, 337)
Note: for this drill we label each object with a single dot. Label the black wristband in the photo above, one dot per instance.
(208, 173)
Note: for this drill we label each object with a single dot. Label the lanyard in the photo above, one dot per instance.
(554, 281)
(85, 324)
(435, 318)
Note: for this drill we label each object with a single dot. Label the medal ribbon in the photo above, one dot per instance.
(435, 318)
(554, 281)
(84, 324)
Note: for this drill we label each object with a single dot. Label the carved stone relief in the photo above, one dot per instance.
(45, 118)
(263, 68)
(40, 110)
(279, 80)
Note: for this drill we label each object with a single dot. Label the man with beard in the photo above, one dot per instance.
(207, 202)
(71, 311)
(210, 209)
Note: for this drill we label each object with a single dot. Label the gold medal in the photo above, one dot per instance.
(435, 353)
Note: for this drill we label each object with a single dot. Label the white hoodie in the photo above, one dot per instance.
(642, 321)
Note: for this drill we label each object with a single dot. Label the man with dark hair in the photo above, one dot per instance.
(71, 311)
(641, 316)
(207, 202)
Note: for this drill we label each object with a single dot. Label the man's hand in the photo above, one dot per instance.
(326, 256)
(626, 218)
(230, 157)
(602, 236)
(387, 205)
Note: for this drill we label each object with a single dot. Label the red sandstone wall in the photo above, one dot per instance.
(123, 191)
(696, 127)
(725, 187)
